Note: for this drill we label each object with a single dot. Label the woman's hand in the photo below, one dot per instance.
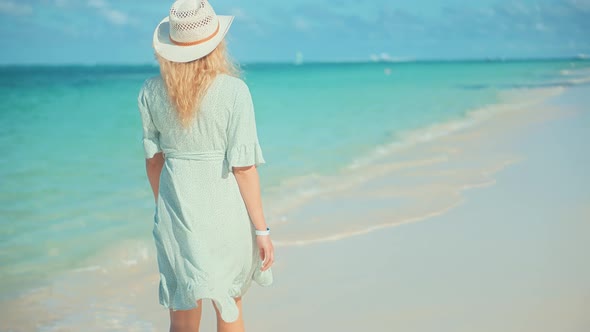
(154, 167)
(266, 250)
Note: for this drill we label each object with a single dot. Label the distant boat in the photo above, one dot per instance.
(298, 58)
(385, 57)
(582, 56)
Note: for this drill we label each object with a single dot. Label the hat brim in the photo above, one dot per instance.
(176, 53)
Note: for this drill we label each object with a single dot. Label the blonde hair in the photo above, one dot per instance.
(187, 82)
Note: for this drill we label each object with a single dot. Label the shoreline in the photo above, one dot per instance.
(390, 175)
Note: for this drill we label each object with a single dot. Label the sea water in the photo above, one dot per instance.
(72, 175)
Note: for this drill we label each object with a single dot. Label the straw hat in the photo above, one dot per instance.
(191, 31)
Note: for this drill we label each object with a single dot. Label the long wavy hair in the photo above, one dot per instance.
(187, 82)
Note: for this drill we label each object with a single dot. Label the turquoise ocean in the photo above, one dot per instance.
(72, 175)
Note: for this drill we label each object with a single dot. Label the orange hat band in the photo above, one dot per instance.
(200, 41)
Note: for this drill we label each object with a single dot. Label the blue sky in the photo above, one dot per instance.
(109, 31)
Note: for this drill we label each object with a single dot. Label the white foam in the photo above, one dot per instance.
(87, 268)
(510, 100)
(344, 235)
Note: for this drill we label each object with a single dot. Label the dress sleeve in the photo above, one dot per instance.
(151, 135)
(243, 148)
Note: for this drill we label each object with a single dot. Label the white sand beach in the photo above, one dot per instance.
(499, 242)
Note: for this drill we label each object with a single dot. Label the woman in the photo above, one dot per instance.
(202, 150)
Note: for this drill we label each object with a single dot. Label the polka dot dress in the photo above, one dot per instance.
(205, 240)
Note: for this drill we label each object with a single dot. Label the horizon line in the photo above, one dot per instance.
(578, 57)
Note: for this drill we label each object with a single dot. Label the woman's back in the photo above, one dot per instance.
(224, 123)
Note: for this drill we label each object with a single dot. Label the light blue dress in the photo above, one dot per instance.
(205, 240)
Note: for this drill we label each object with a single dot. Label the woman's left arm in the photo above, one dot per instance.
(153, 168)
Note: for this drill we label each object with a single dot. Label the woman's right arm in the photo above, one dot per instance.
(249, 184)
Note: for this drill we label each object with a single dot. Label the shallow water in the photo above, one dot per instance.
(73, 177)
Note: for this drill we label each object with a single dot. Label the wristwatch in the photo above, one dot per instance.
(266, 232)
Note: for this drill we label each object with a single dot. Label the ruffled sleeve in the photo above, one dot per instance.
(151, 135)
(243, 148)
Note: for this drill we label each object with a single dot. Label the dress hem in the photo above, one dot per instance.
(226, 304)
